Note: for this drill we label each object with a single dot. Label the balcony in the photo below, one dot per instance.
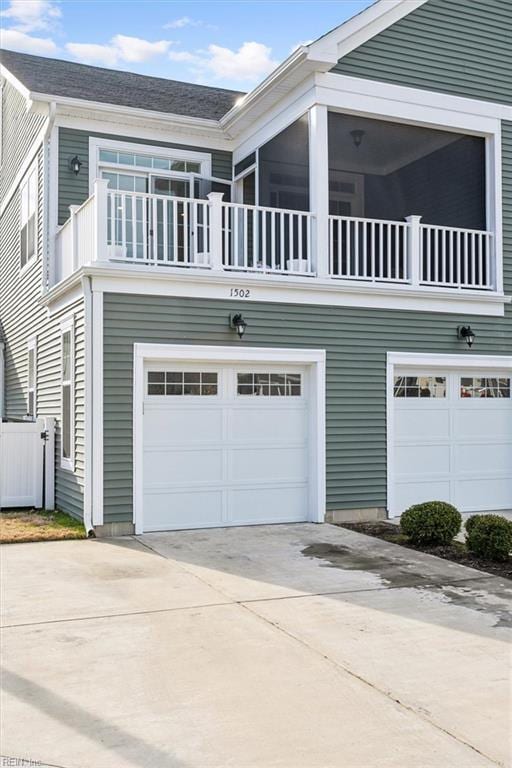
(175, 234)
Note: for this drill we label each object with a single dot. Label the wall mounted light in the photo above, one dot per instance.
(75, 164)
(357, 136)
(238, 324)
(464, 333)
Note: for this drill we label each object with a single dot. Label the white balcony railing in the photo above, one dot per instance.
(161, 231)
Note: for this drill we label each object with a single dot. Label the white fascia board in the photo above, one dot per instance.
(331, 86)
(362, 27)
(149, 281)
(138, 128)
(22, 89)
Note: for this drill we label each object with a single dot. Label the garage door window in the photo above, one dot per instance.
(176, 383)
(270, 384)
(484, 387)
(420, 386)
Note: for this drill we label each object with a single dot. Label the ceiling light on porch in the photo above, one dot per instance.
(464, 333)
(75, 164)
(238, 324)
(357, 136)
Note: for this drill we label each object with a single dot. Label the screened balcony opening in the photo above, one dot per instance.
(284, 168)
(381, 173)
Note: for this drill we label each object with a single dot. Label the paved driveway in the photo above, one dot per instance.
(289, 646)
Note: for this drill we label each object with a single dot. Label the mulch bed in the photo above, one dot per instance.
(456, 551)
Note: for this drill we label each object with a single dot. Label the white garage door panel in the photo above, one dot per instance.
(454, 448)
(167, 467)
(289, 424)
(431, 423)
(220, 456)
(275, 504)
(281, 464)
(163, 426)
(168, 510)
(410, 458)
(481, 494)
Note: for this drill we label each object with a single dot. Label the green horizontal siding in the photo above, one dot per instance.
(356, 341)
(463, 47)
(73, 190)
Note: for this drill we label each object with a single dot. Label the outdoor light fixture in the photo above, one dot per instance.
(357, 136)
(238, 324)
(75, 164)
(464, 333)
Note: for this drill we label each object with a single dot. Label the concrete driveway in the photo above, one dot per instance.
(294, 646)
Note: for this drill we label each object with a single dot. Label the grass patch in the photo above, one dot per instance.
(456, 551)
(36, 525)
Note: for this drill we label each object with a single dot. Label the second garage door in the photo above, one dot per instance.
(452, 439)
(224, 445)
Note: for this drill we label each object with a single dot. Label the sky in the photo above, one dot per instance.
(227, 43)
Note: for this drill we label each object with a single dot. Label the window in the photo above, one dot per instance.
(67, 395)
(137, 160)
(32, 378)
(420, 386)
(182, 383)
(490, 386)
(270, 384)
(28, 193)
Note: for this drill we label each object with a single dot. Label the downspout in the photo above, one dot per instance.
(88, 431)
(47, 239)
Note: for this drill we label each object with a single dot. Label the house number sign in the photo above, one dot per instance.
(240, 293)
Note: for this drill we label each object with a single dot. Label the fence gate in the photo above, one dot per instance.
(27, 464)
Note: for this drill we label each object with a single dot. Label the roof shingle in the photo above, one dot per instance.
(111, 86)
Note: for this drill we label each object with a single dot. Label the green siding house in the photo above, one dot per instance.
(286, 305)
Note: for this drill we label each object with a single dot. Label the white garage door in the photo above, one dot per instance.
(224, 445)
(453, 439)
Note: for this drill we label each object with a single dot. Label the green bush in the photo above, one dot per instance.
(431, 523)
(489, 536)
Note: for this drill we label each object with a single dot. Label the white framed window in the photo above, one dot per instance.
(176, 383)
(485, 386)
(28, 217)
(67, 422)
(420, 386)
(269, 384)
(32, 378)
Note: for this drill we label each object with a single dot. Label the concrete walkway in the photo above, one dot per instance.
(294, 646)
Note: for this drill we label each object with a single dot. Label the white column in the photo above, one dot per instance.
(319, 187)
(414, 249)
(215, 204)
(49, 465)
(100, 249)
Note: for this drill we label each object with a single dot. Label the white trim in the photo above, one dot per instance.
(67, 325)
(427, 361)
(13, 80)
(96, 143)
(89, 436)
(27, 162)
(52, 199)
(32, 345)
(2, 378)
(315, 358)
(97, 406)
(362, 27)
(25, 182)
(286, 289)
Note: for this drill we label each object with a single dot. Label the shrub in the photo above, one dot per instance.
(431, 523)
(489, 536)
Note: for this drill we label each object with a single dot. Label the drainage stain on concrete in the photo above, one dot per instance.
(398, 573)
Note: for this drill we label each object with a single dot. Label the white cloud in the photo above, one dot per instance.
(121, 48)
(31, 15)
(251, 62)
(185, 21)
(19, 41)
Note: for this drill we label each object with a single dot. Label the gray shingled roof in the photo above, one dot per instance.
(111, 86)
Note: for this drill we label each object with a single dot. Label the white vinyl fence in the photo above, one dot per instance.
(27, 464)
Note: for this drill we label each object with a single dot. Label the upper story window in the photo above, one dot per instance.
(135, 160)
(28, 215)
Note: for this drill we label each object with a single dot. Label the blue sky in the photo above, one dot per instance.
(231, 43)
